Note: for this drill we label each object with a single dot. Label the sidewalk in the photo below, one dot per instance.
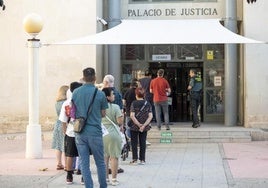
(186, 165)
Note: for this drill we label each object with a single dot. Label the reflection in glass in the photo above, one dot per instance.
(214, 100)
(214, 71)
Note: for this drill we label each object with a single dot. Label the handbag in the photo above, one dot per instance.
(104, 130)
(133, 126)
(118, 131)
(80, 122)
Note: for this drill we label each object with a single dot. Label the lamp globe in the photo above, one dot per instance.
(33, 24)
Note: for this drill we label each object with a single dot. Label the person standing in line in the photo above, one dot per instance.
(195, 88)
(58, 136)
(108, 81)
(90, 140)
(145, 84)
(140, 126)
(128, 98)
(112, 141)
(69, 140)
(160, 88)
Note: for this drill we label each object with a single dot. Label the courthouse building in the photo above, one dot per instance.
(234, 70)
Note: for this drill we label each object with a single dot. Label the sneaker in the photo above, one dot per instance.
(159, 128)
(78, 172)
(69, 179)
(196, 125)
(133, 162)
(120, 170)
(142, 162)
(167, 128)
(108, 182)
(148, 143)
(114, 182)
(82, 181)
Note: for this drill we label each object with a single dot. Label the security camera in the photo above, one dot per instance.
(2, 5)
(101, 20)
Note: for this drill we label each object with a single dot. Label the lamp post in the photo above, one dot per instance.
(33, 24)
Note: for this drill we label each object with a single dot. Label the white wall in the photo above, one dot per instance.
(59, 65)
(256, 65)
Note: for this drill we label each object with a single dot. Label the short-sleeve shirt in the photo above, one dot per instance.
(113, 112)
(129, 96)
(145, 84)
(65, 119)
(82, 96)
(117, 98)
(196, 85)
(136, 107)
(159, 86)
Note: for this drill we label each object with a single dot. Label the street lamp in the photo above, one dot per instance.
(33, 25)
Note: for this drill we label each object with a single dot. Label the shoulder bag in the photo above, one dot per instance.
(138, 116)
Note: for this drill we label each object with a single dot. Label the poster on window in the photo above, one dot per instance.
(210, 55)
(217, 81)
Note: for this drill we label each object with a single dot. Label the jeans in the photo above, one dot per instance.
(127, 128)
(195, 98)
(87, 145)
(138, 137)
(163, 105)
(77, 163)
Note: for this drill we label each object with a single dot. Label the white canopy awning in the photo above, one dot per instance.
(187, 31)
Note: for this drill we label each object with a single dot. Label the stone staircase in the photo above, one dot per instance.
(207, 133)
(183, 133)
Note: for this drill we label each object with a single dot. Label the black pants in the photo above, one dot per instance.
(70, 148)
(138, 137)
(195, 97)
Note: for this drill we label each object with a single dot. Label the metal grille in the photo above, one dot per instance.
(190, 51)
(214, 99)
(132, 52)
(161, 49)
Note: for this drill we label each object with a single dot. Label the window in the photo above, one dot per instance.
(161, 50)
(190, 51)
(214, 73)
(217, 51)
(132, 52)
(214, 100)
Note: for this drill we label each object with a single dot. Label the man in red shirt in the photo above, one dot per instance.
(160, 88)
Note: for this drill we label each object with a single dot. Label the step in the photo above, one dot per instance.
(184, 133)
(206, 134)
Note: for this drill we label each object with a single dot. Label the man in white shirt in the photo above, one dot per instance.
(67, 118)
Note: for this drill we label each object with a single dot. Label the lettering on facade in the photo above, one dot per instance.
(172, 12)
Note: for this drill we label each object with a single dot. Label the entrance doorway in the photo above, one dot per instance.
(177, 74)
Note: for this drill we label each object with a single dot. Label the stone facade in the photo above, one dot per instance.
(18, 124)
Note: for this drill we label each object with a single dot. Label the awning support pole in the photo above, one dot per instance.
(230, 117)
(114, 58)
